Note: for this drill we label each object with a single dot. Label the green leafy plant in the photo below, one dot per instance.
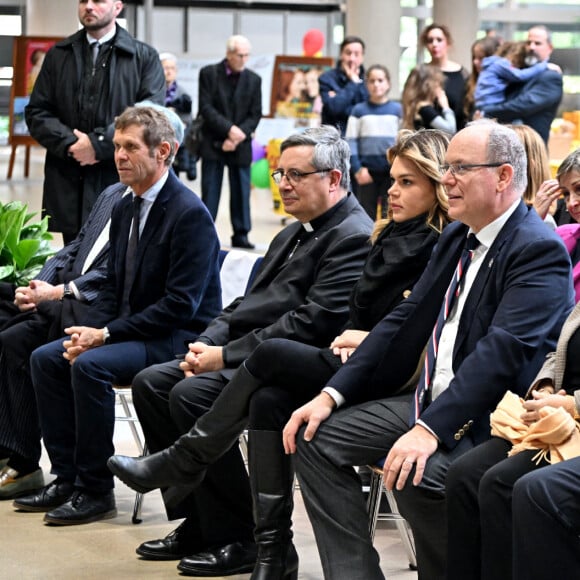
(24, 247)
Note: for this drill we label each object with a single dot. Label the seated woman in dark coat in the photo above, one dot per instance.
(282, 374)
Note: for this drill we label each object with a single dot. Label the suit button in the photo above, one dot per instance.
(470, 422)
(461, 432)
(457, 436)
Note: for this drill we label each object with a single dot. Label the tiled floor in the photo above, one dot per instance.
(31, 550)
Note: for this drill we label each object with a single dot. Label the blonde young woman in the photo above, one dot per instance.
(281, 374)
(425, 103)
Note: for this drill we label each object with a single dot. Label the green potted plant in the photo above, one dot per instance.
(24, 246)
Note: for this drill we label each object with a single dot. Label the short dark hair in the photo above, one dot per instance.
(352, 40)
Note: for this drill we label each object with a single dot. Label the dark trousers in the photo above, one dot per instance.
(479, 510)
(371, 194)
(546, 519)
(286, 384)
(76, 406)
(332, 493)
(168, 406)
(212, 173)
(19, 426)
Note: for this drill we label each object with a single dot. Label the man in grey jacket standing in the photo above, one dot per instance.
(87, 80)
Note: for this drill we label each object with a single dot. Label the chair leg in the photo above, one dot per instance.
(136, 519)
(374, 501)
(376, 488)
(404, 531)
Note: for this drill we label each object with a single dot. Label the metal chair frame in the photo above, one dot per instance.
(123, 394)
(376, 486)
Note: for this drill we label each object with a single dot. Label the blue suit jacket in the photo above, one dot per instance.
(535, 103)
(510, 321)
(176, 290)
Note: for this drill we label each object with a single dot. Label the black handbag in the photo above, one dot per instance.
(194, 136)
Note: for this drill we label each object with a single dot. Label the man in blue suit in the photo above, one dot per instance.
(536, 102)
(162, 285)
(515, 297)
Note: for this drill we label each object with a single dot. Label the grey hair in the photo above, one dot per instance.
(168, 56)
(504, 146)
(545, 29)
(236, 40)
(330, 150)
(571, 163)
(171, 115)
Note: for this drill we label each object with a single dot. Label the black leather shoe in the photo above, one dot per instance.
(174, 546)
(144, 474)
(82, 508)
(241, 241)
(49, 497)
(237, 558)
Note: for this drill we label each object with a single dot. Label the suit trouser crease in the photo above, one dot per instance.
(361, 435)
(77, 407)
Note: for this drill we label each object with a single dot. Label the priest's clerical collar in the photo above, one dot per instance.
(319, 221)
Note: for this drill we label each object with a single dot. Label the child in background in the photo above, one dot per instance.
(372, 129)
(425, 104)
(502, 69)
(479, 50)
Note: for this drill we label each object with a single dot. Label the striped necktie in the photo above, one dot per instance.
(420, 401)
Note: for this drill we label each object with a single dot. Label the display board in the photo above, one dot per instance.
(27, 58)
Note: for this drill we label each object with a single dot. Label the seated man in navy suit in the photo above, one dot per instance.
(162, 286)
(537, 101)
(301, 292)
(36, 314)
(505, 317)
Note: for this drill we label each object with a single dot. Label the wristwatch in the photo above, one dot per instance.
(66, 290)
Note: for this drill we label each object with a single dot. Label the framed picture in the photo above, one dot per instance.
(27, 58)
(295, 93)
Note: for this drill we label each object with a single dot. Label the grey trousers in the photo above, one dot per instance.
(359, 435)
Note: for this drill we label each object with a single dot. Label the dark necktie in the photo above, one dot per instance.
(420, 400)
(130, 256)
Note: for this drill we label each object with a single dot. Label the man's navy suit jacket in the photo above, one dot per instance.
(511, 319)
(535, 103)
(176, 289)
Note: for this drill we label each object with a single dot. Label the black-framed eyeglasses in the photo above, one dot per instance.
(463, 168)
(293, 175)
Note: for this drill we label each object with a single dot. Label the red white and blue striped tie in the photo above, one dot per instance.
(420, 400)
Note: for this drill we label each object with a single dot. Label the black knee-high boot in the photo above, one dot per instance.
(271, 481)
(185, 462)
